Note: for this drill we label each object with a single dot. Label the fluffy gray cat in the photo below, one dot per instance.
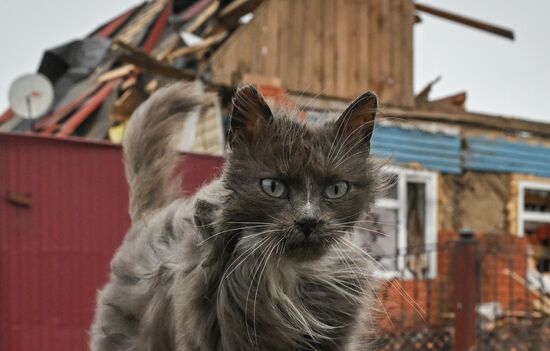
(259, 259)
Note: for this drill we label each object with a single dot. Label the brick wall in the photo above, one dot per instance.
(502, 261)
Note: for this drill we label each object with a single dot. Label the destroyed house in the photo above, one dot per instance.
(452, 169)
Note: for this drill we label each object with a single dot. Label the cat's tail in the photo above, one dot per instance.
(150, 146)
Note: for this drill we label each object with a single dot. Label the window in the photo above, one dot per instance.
(534, 222)
(402, 230)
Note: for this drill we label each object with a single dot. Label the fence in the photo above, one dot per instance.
(490, 292)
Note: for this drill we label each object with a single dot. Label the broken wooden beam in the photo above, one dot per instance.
(118, 72)
(138, 57)
(199, 20)
(204, 44)
(229, 15)
(467, 21)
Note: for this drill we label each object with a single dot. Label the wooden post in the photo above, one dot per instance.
(466, 290)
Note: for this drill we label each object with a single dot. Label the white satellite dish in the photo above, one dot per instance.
(31, 95)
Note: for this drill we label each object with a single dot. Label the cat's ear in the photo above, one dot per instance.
(358, 118)
(249, 111)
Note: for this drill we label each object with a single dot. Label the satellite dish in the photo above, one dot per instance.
(31, 95)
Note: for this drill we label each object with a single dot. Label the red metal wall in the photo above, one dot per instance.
(55, 254)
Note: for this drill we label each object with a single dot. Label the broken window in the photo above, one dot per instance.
(400, 233)
(534, 223)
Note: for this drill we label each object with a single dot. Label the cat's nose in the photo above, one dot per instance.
(307, 225)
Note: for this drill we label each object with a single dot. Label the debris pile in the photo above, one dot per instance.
(100, 79)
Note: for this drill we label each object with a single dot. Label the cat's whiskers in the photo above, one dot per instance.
(313, 99)
(373, 291)
(363, 228)
(232, 230)
(251, 250)
(254, 235)
(342, 148)
(366, 221)
(358, 142)
(418, 309)
(339, 133)
(345, 261)
(248, 252)
(346, 156)
(259, 282)
(345, 217)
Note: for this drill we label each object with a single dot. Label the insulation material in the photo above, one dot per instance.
(476, 201)
(203, 133)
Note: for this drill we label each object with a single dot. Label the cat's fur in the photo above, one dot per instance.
(229, 269)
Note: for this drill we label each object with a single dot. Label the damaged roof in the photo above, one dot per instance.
(99, 80)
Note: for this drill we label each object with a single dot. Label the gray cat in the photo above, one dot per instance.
(259, 259)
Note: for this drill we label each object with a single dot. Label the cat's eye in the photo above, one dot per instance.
(273, 187)
(336, 190)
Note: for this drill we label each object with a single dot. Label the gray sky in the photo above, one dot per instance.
(501, 76)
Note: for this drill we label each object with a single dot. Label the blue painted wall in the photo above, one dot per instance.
(435, 151)
(500, 155)
(445, 153)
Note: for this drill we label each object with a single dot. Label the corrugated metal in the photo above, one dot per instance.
(500, 155)
(436, 151)
(55, 255)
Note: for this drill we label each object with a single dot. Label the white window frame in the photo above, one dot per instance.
(430, 179)
(525, 216)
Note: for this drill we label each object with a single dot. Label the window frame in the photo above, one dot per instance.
(523, 215)
(430, 180)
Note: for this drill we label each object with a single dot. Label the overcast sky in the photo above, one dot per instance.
(500, 76)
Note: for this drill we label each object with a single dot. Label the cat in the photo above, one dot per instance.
(260, 258)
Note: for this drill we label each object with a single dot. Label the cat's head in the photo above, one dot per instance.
(297, 187)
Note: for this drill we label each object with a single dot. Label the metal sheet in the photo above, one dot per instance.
(435, 151)
(501, 155)
(55, 254)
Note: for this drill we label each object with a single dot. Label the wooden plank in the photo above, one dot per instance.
(139, 58)
(116, 73)
(230, 14)
(193, 10)
(470, 22)
(204, 44)
(385, 49)
(247, 48)
(352, 87)
(311, 58)
(272, 39)
(284, 55)
(256, 37)
(138, 23)
(200, 19)
(341, 50)
(407, 26)
(125, 105)
(296, 48)
(328, 47)
(393, 80)
(158, 28)
(478, 120)
(363, 42)
(374, 55)
(235, 56)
